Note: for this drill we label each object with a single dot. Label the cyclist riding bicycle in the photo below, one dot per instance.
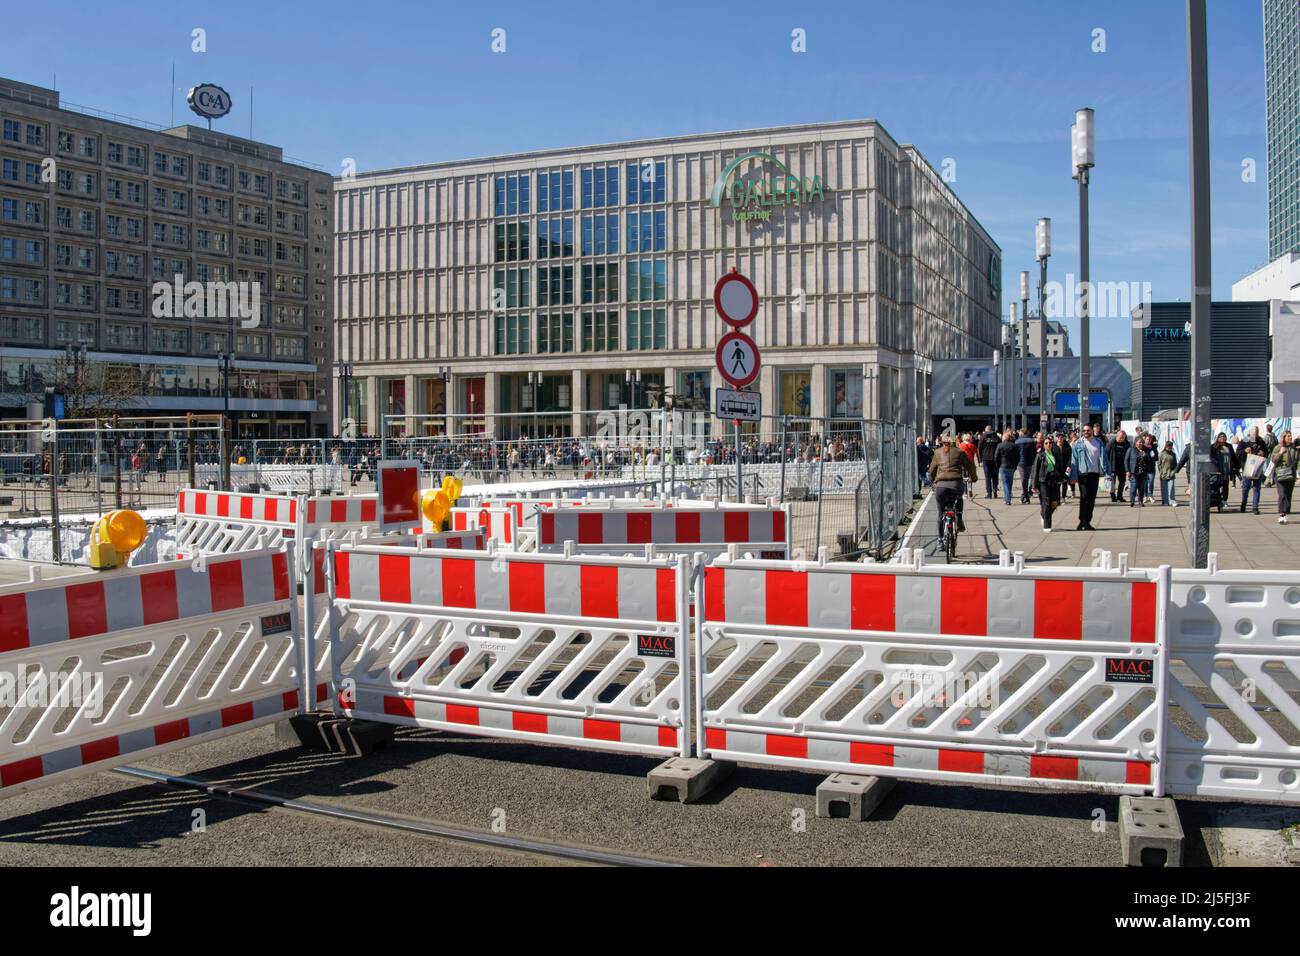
(949, 470)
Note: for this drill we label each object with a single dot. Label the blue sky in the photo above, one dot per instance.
(990, 85)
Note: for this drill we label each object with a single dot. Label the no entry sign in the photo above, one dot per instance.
(736, 300)
(737, 358)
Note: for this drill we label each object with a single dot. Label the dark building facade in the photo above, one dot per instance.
(1240, 348)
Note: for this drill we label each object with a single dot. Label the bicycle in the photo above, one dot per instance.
(948, 535)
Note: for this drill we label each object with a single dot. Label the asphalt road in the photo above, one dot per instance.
(759, 817)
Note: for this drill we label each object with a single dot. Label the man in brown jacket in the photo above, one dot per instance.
(949, 470)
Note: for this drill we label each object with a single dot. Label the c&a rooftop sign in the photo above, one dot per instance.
(752, 200)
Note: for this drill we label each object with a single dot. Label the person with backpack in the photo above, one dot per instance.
(1286, 463)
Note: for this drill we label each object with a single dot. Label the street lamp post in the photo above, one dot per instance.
(1199, 148)
(1043, 242)
(224, 359)
(1023, 350)
(1082, 160)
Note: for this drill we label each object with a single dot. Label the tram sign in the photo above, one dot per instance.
(737, 358)
(737, 405)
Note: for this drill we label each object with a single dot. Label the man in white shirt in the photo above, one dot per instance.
(1090, 462)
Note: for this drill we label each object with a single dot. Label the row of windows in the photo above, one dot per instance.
(600, 187)
(645, 329)
(31, 212)
(646, 232)
(164, 163)
(555, 285)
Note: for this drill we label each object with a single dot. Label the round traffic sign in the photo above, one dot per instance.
(736, 300)
(737, 358)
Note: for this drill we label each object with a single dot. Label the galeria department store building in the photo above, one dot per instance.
(521, 295)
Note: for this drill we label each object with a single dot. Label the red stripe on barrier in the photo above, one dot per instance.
(875, 755)
(778, 526)
(339, 511)
(458, 583)
(13, 622)
(98, 750)
(963, 606)
(342, 575)
(529, 723)
(1053, 768)
(223, 506)
(527, 587)
(688, 527)
(598, 590)
(639, 528)
(600, 729)
(1135, 771)
(961, 761)
(460, 521)
(289, 700)
(715, 738)
(548, 528)
(786, 593)
(871, 602)
(246, 507)
(227, 582)
(778, 745)
(87, 612)
(462, 714)
(172, 730)
(311, 512)
(735, 526)
(667, 736)
(20, 771)
(591, 529)
(280, 574)
(322, 692)
(715, 595)
(236, 714)
(271, 509)
(399, 706)
(395, 579)
(293, 510)
(1058, 610)
(369, 509)
(1143, 629)
(200, 503)
(158, 597)
(665, 594)
(318, 571)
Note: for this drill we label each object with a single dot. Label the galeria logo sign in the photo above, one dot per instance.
(752, 200)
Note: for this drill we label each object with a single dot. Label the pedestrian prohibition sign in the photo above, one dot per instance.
(737, 358)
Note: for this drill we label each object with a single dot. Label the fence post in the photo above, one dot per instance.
(781, 495)
(99, 490)
(189, 449)
(821, 467)
(117, 462)
(55, 537)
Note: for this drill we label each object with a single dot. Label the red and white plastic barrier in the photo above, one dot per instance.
(760, 529)
(119, 665)
(980, 675)
(590, 652)
(220, 522)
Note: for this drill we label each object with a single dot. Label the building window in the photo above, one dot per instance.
(599, 282)
(555, 332)
(645, 182)
(511, 286)
(600, 331)
(512, 243)
(555, 285)
(511, 193)
(511, 334)
(647, 280)
(600, 235)
(647, 329)
(555, 190)
(646, 232)
(599, 186)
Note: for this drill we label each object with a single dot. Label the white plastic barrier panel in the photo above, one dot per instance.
(500, 524)
(220, 522)
(98, 670)
(1234, 685)
(976, 675)
(590, 652)
(762, 529)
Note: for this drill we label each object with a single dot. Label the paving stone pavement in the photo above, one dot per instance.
(1150, 535)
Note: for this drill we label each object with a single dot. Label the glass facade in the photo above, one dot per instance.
(1282, 105)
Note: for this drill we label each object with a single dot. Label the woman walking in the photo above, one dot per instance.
(1167, 468)
(1049, 473)
(1286, 461)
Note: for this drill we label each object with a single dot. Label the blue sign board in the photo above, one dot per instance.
(1067, 402)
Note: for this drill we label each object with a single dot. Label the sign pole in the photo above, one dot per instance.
(740, 472)
(1198, 123)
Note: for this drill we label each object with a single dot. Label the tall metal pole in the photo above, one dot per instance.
(225, 422)
(1043, 243)
(1081, 148)
(1023, 350)
(1199, 124)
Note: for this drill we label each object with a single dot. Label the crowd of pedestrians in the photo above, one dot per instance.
(1020, 466)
